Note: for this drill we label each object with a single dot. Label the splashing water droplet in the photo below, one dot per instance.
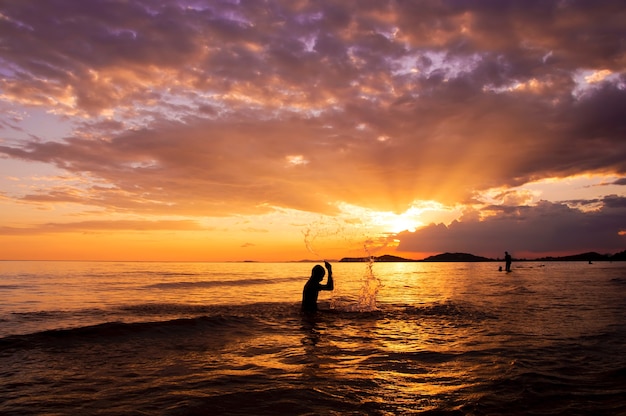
(309, 237)
(369, 289)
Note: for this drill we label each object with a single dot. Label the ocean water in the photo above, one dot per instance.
(82, 338)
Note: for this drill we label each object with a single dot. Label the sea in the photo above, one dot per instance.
(163, 338)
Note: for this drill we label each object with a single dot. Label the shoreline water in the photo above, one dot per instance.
(192, 339)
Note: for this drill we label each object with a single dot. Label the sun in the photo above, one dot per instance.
(402, 224)
(398, 223)
(389, 222)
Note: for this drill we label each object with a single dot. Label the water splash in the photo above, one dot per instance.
(309, 237)
(371, 284)
(327, 236)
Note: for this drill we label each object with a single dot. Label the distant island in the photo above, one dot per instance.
(444, 257)
(466, 257)
(381, 259)
(590, 256)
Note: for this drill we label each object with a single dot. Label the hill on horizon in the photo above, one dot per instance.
(378, 259)
(447, 257)
(464, 257)
(467, 257)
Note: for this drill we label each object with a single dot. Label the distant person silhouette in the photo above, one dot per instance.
(313, 286)
(507, 260)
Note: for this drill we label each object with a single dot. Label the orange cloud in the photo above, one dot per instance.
(225, 110)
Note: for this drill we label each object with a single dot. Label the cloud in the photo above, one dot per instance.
(547, 227)
(104, 226)
(194, 107)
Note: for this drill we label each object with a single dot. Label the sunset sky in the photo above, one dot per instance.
(277, 130)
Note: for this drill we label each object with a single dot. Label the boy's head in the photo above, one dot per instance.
(318, 272)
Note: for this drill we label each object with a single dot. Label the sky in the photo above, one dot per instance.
(280, 130)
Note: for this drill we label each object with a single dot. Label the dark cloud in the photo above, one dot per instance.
(547, 227)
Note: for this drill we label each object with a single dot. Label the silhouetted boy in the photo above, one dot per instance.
(313, 286)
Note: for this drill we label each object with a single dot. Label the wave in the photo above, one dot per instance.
(449, 310)
(219, 283)
(145, 332)
(164, 317)
(12, 287)
(151, 320)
